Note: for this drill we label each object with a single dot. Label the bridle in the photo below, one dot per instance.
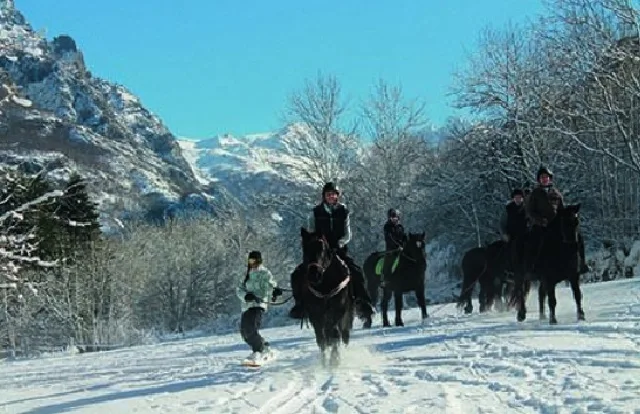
(333, 257)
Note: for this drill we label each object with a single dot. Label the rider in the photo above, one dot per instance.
(331, 219)
(394, 238)
(541, 207)
(513, 223)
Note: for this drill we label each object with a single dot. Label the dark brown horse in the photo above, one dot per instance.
(326, 297)
(557, 260)
(408, 274)
(490, 267)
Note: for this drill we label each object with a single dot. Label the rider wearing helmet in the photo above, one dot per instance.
(541, 207)
(394, 239)
(331, 219)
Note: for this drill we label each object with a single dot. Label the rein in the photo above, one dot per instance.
(338, 288)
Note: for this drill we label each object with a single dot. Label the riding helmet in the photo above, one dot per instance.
(544, 170)
(330, 187)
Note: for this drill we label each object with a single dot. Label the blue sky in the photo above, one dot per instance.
(209, 67)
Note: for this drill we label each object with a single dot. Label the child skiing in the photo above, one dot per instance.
(255, 292)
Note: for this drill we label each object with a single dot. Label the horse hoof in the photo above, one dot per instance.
(468, 310)
(367, 324)
(399, 323)
(553, 321)
(521, 317)
(581, 316)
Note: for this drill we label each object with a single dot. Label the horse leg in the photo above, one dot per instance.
(541, 297)
(398, 300)
(551, 293)
(334, 341)
(577, 295)
(422, 302)
(522, 289)
(373, 287)
(321, 341)
(490, 295)
(482, 298)
(469, 306)
(498, 288)
(384, 305)
(346, 323)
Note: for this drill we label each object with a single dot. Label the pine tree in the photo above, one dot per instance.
(78, 217)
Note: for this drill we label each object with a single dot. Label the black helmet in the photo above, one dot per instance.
(544, 170)
(392, 212)
(255, 257)
(330, 187)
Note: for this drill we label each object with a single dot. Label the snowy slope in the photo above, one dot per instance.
(454, 364)
(276, 155)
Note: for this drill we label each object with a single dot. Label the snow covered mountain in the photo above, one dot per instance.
(269, 163)
(452, 364)
(55, 114)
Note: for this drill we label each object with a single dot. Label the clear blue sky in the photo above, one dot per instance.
(208, 67)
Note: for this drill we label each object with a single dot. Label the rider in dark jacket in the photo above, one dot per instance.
(513, 223)
(331, 219)
(394, 239)
(541, 207)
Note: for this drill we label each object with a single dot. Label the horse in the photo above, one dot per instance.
(326, 297)
(489, 266)
(559, 261)
(407, 274)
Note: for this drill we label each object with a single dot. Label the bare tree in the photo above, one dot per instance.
(316, 114)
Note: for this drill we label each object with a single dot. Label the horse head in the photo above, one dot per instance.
(317, 255)
(415, 246)
(569, 223)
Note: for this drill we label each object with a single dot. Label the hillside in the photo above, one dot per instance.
(55, 114)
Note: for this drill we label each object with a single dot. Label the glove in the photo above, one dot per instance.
(250, 297)
(277, 292)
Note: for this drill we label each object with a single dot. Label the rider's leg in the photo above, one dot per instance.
(386, 266)
(532, 248)
(297, 311)
(363, 301)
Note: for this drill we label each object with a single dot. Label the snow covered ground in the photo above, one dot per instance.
(453, 364)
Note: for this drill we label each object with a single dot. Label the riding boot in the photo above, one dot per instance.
(297, 312)
(583, 262)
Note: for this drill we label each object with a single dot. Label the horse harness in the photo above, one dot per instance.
(337, 289)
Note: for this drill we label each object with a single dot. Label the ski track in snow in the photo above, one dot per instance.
(453, 363)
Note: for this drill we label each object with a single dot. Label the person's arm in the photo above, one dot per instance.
(388, 238)
(503, 223)
(347, 232)
(311, 223)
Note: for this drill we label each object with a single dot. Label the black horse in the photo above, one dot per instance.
(408, 274)
(326, 299)
(490, 267)
(556, 261)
